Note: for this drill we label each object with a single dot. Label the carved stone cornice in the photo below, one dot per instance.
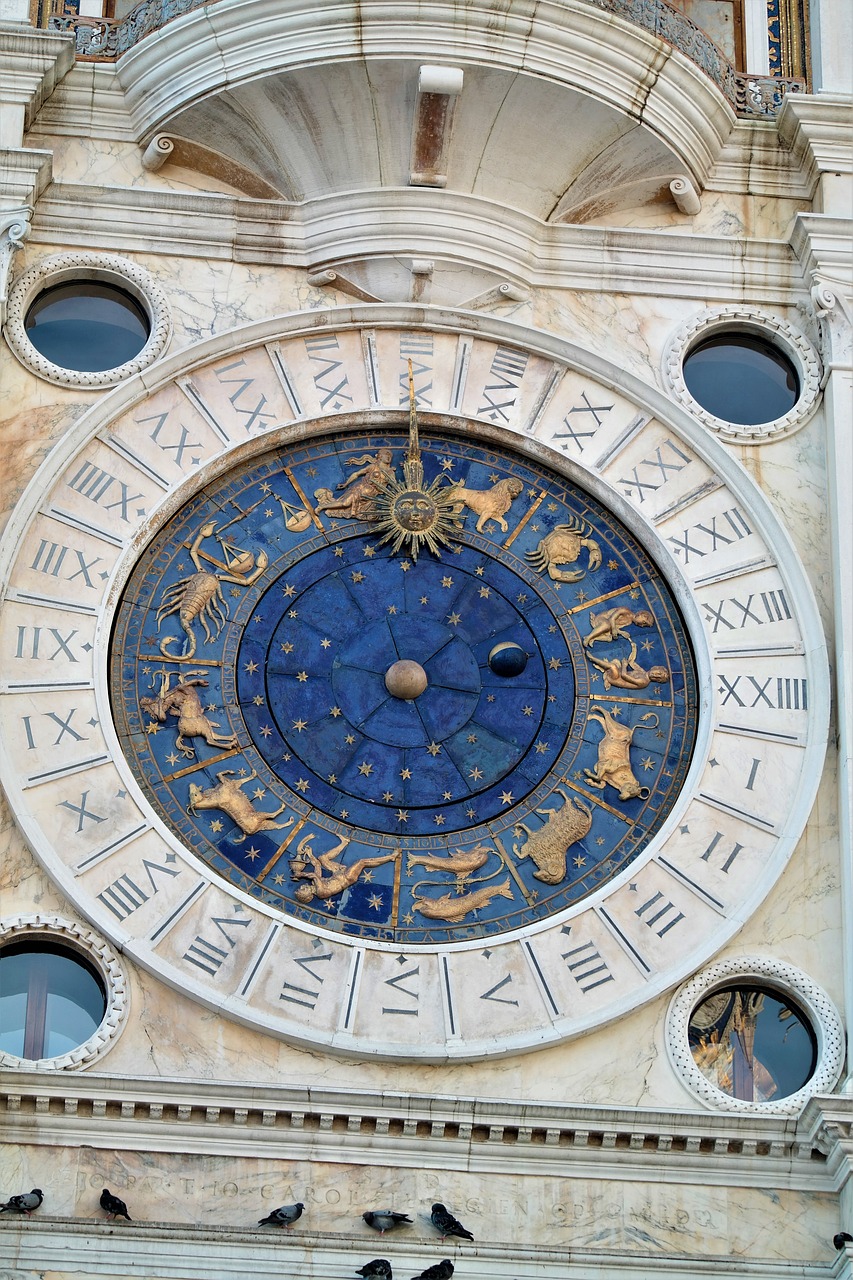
(33, 62)
(430, 1132)
(818, 130)
(822, 245)
(89, 102)
(358, 226)
(24, 175)
(826, 1125)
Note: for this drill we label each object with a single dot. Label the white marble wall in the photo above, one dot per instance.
(624, 1063)
(503, 1209)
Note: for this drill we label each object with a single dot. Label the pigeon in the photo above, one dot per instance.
(839, 1240)
(24, 1203)
(113, 1206)
(284, 1216)
(383, 1220)
(378, 1269)
(441, 1271)
(447, 1224)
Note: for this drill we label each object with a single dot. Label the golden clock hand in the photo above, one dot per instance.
(413, 468)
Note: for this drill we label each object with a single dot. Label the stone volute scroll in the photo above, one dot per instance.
(157, 152)
(14, 227)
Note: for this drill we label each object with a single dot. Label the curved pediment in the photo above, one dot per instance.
(556, 110)
(515, 140)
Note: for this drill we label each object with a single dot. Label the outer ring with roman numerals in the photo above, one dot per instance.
(145, 450)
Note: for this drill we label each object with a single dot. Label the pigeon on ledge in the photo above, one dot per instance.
(113, 1206)
(284, 1216)
(24, 1203)
(447, 1224)
(383, 1220)
(441, 1271)
(378, 1269)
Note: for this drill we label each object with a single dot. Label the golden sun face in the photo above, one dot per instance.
(412, 516)
(414, 511)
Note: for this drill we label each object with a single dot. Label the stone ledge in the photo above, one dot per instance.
(73, 1246)
(33, 63)
(818, 130)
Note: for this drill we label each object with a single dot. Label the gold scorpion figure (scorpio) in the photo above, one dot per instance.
(199, 597)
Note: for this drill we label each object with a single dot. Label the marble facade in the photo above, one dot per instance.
(558, 1125)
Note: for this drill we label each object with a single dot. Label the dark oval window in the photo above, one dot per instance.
(51, 1000)
(741, 378)
(752, 1043)
(87, 326)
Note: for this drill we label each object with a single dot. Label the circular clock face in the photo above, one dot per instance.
(408, 744)
(384, 733)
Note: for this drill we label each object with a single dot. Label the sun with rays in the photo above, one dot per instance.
(409, 513)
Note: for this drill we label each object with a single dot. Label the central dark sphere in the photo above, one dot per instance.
(507, 659)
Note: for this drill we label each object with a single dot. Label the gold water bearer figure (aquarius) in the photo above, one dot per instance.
(326, 876)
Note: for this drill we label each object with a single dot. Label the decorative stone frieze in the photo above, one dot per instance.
(440, 1132)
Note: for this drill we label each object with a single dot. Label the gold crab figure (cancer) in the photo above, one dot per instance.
(563, 546)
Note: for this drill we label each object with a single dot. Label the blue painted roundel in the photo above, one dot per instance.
(392, 743)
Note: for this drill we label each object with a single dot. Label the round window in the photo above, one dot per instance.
(752, 1043)
(51, 1000)
(87, 325)
(741, 378)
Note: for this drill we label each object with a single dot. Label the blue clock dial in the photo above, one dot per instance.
(413, 704)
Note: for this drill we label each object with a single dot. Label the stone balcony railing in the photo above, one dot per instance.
(100, 39)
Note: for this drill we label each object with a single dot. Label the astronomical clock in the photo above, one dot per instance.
(400, 689)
